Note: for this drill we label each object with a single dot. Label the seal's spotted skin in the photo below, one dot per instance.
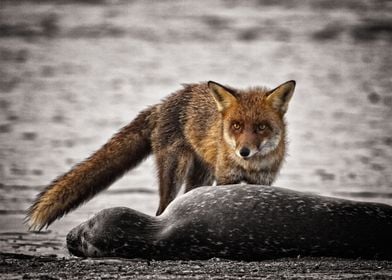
(247, 223)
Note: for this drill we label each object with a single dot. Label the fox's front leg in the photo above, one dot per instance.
(227, 180)
(227, 176)
(256, 178)
(261, 177)
(173, 164)
(199, 174)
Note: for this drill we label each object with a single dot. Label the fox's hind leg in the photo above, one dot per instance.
(199, 174)
(173, 165)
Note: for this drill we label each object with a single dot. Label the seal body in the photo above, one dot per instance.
(249, 222)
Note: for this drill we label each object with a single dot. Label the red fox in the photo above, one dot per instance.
(202, 133)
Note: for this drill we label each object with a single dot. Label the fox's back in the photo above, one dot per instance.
(185, 116)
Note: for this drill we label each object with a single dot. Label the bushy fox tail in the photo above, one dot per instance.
(123, 151)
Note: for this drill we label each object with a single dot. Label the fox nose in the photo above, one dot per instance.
(244, 152)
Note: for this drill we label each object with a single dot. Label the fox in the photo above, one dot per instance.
(203, 134)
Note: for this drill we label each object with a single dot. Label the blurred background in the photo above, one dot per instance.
(72, 73)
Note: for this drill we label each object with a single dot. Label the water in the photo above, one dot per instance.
(73, 74)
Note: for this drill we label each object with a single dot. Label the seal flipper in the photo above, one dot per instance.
(115, 232)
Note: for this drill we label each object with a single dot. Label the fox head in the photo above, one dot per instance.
(253, 120)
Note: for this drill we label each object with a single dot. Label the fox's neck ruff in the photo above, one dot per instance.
(258, 163)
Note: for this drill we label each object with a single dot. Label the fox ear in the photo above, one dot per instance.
(223, 98)
(279, 97)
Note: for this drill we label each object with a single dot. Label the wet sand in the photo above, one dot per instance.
(73, 73)
(50, 267)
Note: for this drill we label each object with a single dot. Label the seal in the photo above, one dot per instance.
(247, 222)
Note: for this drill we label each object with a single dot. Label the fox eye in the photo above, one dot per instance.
(236, 126)
(262, 127)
